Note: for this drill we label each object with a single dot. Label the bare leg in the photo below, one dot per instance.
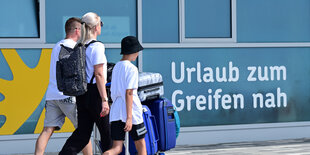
(140, 146)
(116, 148)
(88, 150)
(43, 140)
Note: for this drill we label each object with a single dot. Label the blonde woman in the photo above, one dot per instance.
(92, 106)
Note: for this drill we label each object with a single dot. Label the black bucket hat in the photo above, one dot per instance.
(130, 44)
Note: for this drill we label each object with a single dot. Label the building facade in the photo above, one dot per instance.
(236, 70)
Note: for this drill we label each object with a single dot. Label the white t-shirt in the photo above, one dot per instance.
(52, 91)
(125, 76)
(95, 54)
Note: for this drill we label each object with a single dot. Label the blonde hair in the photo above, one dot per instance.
(89, 22)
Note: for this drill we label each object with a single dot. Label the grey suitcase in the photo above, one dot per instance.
(150, 86)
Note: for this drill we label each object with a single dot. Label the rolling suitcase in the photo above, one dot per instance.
(150, 86)
(151, 137)
(163, 111)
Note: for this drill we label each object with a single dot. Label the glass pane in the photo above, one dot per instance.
(207, 18)
(19, 19)
(273, 21)
(160, 26)
(119, 17)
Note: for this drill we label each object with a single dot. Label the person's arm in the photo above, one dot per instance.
(100, 81)
(129, 100)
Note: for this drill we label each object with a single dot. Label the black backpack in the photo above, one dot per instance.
(110, 67)
(71, 70)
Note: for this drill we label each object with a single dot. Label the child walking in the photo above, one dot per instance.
(126, 110)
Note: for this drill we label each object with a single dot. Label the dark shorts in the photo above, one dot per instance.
(117, 131)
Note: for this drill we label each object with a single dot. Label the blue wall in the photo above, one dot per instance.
(296, 85)
(257, 21)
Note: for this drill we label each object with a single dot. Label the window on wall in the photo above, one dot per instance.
(160, 26)
(118, 16)
(273, 21)
(20, 21)
(207, 20)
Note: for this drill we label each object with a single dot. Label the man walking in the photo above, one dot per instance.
(58, 106)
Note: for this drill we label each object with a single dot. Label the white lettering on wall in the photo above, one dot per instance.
(215, 101)
(173, 73)
(269, 100)
(262, 75)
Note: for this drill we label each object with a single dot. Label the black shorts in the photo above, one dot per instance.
(117, 131)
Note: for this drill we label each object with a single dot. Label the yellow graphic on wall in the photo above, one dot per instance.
(23, 94)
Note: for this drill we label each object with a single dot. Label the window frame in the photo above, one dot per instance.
(42, 31)
(183, 39)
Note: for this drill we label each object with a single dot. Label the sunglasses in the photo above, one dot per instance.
(101, 23)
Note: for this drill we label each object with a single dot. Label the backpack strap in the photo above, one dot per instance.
(86, 45)
(93, 41)
(92, 79)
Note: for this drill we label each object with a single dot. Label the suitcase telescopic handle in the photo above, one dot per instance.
(155, 127)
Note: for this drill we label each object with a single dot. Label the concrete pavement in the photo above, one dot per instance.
(278, 147)
(283, 147)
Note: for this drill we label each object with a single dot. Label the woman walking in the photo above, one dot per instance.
(92, 106)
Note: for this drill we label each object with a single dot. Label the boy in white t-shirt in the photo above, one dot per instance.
(126, 110)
